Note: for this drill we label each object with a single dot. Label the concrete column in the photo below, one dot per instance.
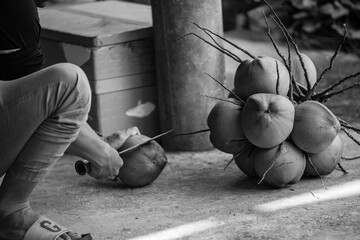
(182, 62)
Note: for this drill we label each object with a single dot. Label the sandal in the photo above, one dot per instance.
(42, 229)
(46, 229)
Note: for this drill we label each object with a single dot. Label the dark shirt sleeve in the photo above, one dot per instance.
(19, 28)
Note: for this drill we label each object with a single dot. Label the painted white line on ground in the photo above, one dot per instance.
(183, 230)
(348, 189)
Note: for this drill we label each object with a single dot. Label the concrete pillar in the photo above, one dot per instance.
(182, 62)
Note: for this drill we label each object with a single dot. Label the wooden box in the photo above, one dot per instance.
(112, 42)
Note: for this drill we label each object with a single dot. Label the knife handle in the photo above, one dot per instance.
(82, 167)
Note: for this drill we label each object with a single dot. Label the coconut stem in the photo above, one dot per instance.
(344, 124)
(281, 25)
(280, 54)
(319, 95)
(237, 154)
(228, 164)
(350, 136)
(273, 41)
(342, 169)
(207, 31)
(315, 169)
(327, 96)
(263, 176)
(350, 158)
(278, 78)
(223, 86)
(293, 83)
(223, 100)
(331, 64)
(278, 152)
(221, 49)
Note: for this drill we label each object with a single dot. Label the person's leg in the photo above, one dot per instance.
(40, 115)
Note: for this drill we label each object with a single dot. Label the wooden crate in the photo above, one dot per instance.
(112, 42)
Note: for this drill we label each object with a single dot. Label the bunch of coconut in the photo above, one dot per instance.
(274, 122)
(272, 136)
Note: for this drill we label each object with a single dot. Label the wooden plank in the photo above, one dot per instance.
(121, 59)
(121, 10)
(105, 62)
(123, 83)
(90, 30)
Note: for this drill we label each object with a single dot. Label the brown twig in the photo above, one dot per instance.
(327, 96)
(227, 41)
(227, 89)
(315, 169)
(206, 31)
(292, 83)
(236, 155)
(348, 126)
(350, 158)
(223, 50)
(342, 169)
(272, 40)
(221, 99)
(331, 64)
(278, 78)
(278, 152)
(291, 40)
(322, 93)
(350, 136)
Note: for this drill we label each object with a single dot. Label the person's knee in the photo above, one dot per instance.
(74, 75)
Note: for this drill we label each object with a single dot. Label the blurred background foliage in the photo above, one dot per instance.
(314, 24)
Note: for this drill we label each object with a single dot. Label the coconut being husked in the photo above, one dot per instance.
(142, 165)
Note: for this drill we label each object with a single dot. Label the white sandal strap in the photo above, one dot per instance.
(45, 229)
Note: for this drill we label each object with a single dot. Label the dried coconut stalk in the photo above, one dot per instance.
(315, 169)
(338, 83)
(221, 49)
(207, 31)
(328, 96)
(291, 40)
(227, 89)
(342, 169)
(331, 64)
(221, 99)
(272, 165)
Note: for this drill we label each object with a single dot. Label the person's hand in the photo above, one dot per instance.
(117, 139)
(106, 167)
(40, 3)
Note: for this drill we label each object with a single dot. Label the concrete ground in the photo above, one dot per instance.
(194, 198)
(194, 193)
